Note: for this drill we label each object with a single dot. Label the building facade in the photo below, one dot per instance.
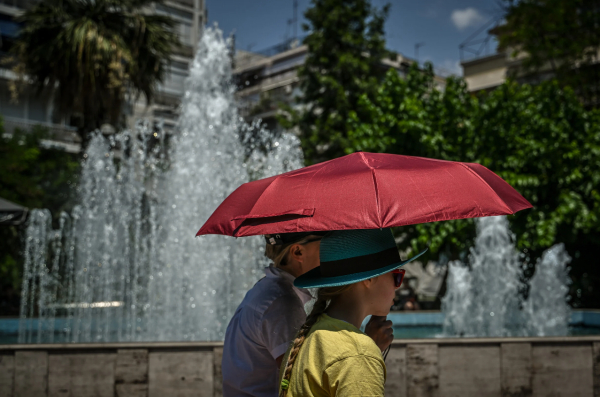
(486, 71)
(268, 78)
(489, 71)
(32, 109)
(191, 16)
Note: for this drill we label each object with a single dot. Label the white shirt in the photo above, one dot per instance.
(261, 330)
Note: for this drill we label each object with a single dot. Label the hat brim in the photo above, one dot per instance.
(314, 279)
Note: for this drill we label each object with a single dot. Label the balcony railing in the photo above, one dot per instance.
(60, 133)
(286, 45)
(21, 4)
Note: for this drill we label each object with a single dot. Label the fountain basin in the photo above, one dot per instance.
(556, 366)
(407, 325)
(429, 324)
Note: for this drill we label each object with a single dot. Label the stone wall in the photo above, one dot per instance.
(515, 367)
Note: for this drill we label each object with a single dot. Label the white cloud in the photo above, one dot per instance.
(468, 17)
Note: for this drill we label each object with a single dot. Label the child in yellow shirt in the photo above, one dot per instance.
(330, 356)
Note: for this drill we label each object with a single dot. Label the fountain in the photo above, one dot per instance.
(546, 309)
(125, 265)
(487, 298)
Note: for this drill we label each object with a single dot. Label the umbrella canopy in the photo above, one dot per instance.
(11, 213)
(364, 191)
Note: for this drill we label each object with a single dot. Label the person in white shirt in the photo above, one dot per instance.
(267, 320)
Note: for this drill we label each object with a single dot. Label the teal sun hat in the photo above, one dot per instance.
(350, 256)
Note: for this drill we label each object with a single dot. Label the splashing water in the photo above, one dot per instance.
(125, 265)
(487, 298)
(546, 309)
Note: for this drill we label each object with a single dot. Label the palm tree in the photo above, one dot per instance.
(93, 54)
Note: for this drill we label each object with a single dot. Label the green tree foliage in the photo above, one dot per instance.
(346, 46)
(92, 53)
(540, 139)
(33, 177)
(562, 36)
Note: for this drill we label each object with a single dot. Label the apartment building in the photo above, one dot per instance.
(267, 78)
(191, 16)
(486, 70)
(32, 109)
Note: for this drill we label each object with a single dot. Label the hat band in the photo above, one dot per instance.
(358, 264)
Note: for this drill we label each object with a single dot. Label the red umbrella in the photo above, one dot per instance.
(364, 191)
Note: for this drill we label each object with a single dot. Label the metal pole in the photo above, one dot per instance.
(295, 20)
(417, 46)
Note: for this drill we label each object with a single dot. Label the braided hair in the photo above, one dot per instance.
(324, 297)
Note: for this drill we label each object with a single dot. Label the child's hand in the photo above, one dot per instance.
(380, 330)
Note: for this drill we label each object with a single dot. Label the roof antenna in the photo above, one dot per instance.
(417, 46)
(295, 19)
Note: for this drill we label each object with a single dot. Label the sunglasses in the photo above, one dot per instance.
(398, 276)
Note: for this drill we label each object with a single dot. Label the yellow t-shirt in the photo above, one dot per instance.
(336, 359)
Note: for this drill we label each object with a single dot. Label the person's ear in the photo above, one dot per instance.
(297, 252)
(368, 283)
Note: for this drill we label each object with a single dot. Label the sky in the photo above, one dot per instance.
(439, 25)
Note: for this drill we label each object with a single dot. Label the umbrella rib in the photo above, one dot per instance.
(488, 185)
(362, 155)
(306, 188)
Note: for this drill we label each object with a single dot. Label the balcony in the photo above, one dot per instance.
(61, 136)
(20, 4)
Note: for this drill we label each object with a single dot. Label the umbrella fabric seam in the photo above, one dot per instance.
(362, 156)
(488, 185)
(433, 215)
(325, 164)
(376, 197)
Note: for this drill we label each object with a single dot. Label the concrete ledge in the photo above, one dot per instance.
(477, 367)
(213, 345)
(499, 341)
(115, 346)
